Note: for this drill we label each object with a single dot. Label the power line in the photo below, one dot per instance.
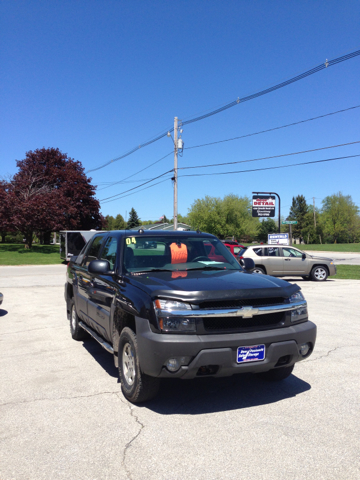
(328, 63)
(133, 193)
(130, 189)
(320, 67)
(268, 158)
(229, 163)
(268, 168)
(110, 184)
(133, 175)
(272, 129)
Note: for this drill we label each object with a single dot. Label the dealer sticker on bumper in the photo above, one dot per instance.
(255, 353)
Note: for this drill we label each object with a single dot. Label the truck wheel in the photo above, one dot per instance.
(135, 385)
(77, 332)
(319, 274)
(259, 270)
(276, 374)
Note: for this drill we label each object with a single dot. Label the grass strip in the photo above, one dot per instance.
(332, 247)
(347, 272)
(16, 254)
(328, 247)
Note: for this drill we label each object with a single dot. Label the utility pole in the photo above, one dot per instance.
(175, 172)
(314, 213)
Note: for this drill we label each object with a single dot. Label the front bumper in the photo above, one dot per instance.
(220, 349)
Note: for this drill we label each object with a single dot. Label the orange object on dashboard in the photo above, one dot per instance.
(179, 253)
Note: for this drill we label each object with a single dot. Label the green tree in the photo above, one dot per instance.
(264, 228)
(298, 211)
(340, 217)
(205, 214)
(109, 219)
(119, 223)
(134, 220)
(223, 218)
(182, 219)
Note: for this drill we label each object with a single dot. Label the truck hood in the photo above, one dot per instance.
(197, 286)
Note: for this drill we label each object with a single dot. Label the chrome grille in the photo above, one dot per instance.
(253, 302)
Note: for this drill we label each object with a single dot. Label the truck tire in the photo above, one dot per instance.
(276, 374)
(76, 331)
(135, 385)
(319, 274)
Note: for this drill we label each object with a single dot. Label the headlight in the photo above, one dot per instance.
(173, 323)
(296, 297)
(301, 312)
(171, 305)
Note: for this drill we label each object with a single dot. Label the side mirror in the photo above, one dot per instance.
(101, 267)
(303, 256)
(247, 264)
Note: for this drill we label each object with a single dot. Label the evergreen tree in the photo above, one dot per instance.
(134, 220)
(298, 211)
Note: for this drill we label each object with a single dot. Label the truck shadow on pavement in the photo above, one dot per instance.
(104, 359)
(208, 395)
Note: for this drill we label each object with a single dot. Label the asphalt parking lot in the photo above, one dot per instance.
(63, 415)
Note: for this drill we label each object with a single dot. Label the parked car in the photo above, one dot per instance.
(233, 247)
(185, 310)
(281, 261)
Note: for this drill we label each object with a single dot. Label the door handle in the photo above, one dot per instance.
(287, 259)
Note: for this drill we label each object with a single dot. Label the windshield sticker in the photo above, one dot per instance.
(130, 240)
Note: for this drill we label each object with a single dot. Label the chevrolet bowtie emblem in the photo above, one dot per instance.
(247, 312)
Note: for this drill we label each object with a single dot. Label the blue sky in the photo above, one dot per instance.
(97, 78)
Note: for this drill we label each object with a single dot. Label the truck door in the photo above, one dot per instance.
(83, 278)
(102, 291)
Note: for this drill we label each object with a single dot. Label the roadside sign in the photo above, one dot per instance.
(278, 239)
(289, 222)
(263, 206)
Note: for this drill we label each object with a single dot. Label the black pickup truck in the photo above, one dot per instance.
(183, 308)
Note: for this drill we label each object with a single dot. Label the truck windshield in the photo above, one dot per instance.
(175, 253)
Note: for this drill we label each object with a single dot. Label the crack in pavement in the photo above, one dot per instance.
(328, 353)
(128, 445)
(56, 399)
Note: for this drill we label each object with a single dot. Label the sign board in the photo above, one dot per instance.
(289, 222)
(278, 238)
(263, 206)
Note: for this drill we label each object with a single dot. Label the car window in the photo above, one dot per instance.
(258, 251)
(109, 251)
(94, 250)
(273, 252)
(291, 252)
(237, 250)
